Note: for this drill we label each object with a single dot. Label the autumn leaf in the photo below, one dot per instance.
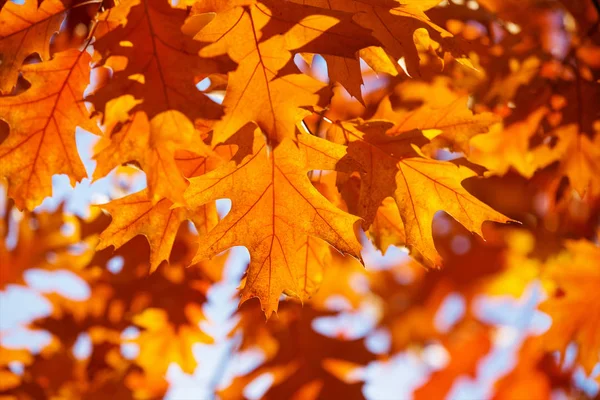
(387, 228)
(261, 38)
(347, 72)
(37, 235)
(578, 156)
(159, 335)
(162, 66)
(393, 24)
(467, 336)
(42, 123)
(301, 367)
(380, 61)
(537, 371)
(389, 166)
(273, 218)
(344, 70)
(317, 30)
(151, 144)
(314, 256)
(136, 215)
(573, 302)
(504, 88)
(26, 29)
(451, 126)
(419, 118)
(259, 90)
(507, 148)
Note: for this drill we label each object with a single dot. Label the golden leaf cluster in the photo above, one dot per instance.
(466, 133)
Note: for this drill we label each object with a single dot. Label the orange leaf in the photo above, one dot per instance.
(451, 126)
(175, 344)
(258, 91)
(393, 24)
(393, 166)
(502, 149)
(37, 235)
(575, 304)
(42, 121)
(274, 208)
(162, 62)
(136, 215)
(24, 30)
(347, 72)
(152, 144)
(579, 158)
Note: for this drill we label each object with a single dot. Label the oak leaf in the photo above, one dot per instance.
(387, 228)
(37, 235)
(259, 90)
(347, 72)
(503, 149)
(380, 61)
(217, 93)
(450, 126)
(579, 158)
(151, 143)
(274, 208)
(26, 29)
(574, 304)
(136, 215)
(162, 66)
(394, 166)
(42, 121)
(466, 346)
(504, 88)
(392, 22)
(320, 30)
(302, 367)
(537, 371)
(175, 343)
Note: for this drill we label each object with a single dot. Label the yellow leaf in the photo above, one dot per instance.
(379, 60)
(174, 343)
(392, 23)
(579, 158)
